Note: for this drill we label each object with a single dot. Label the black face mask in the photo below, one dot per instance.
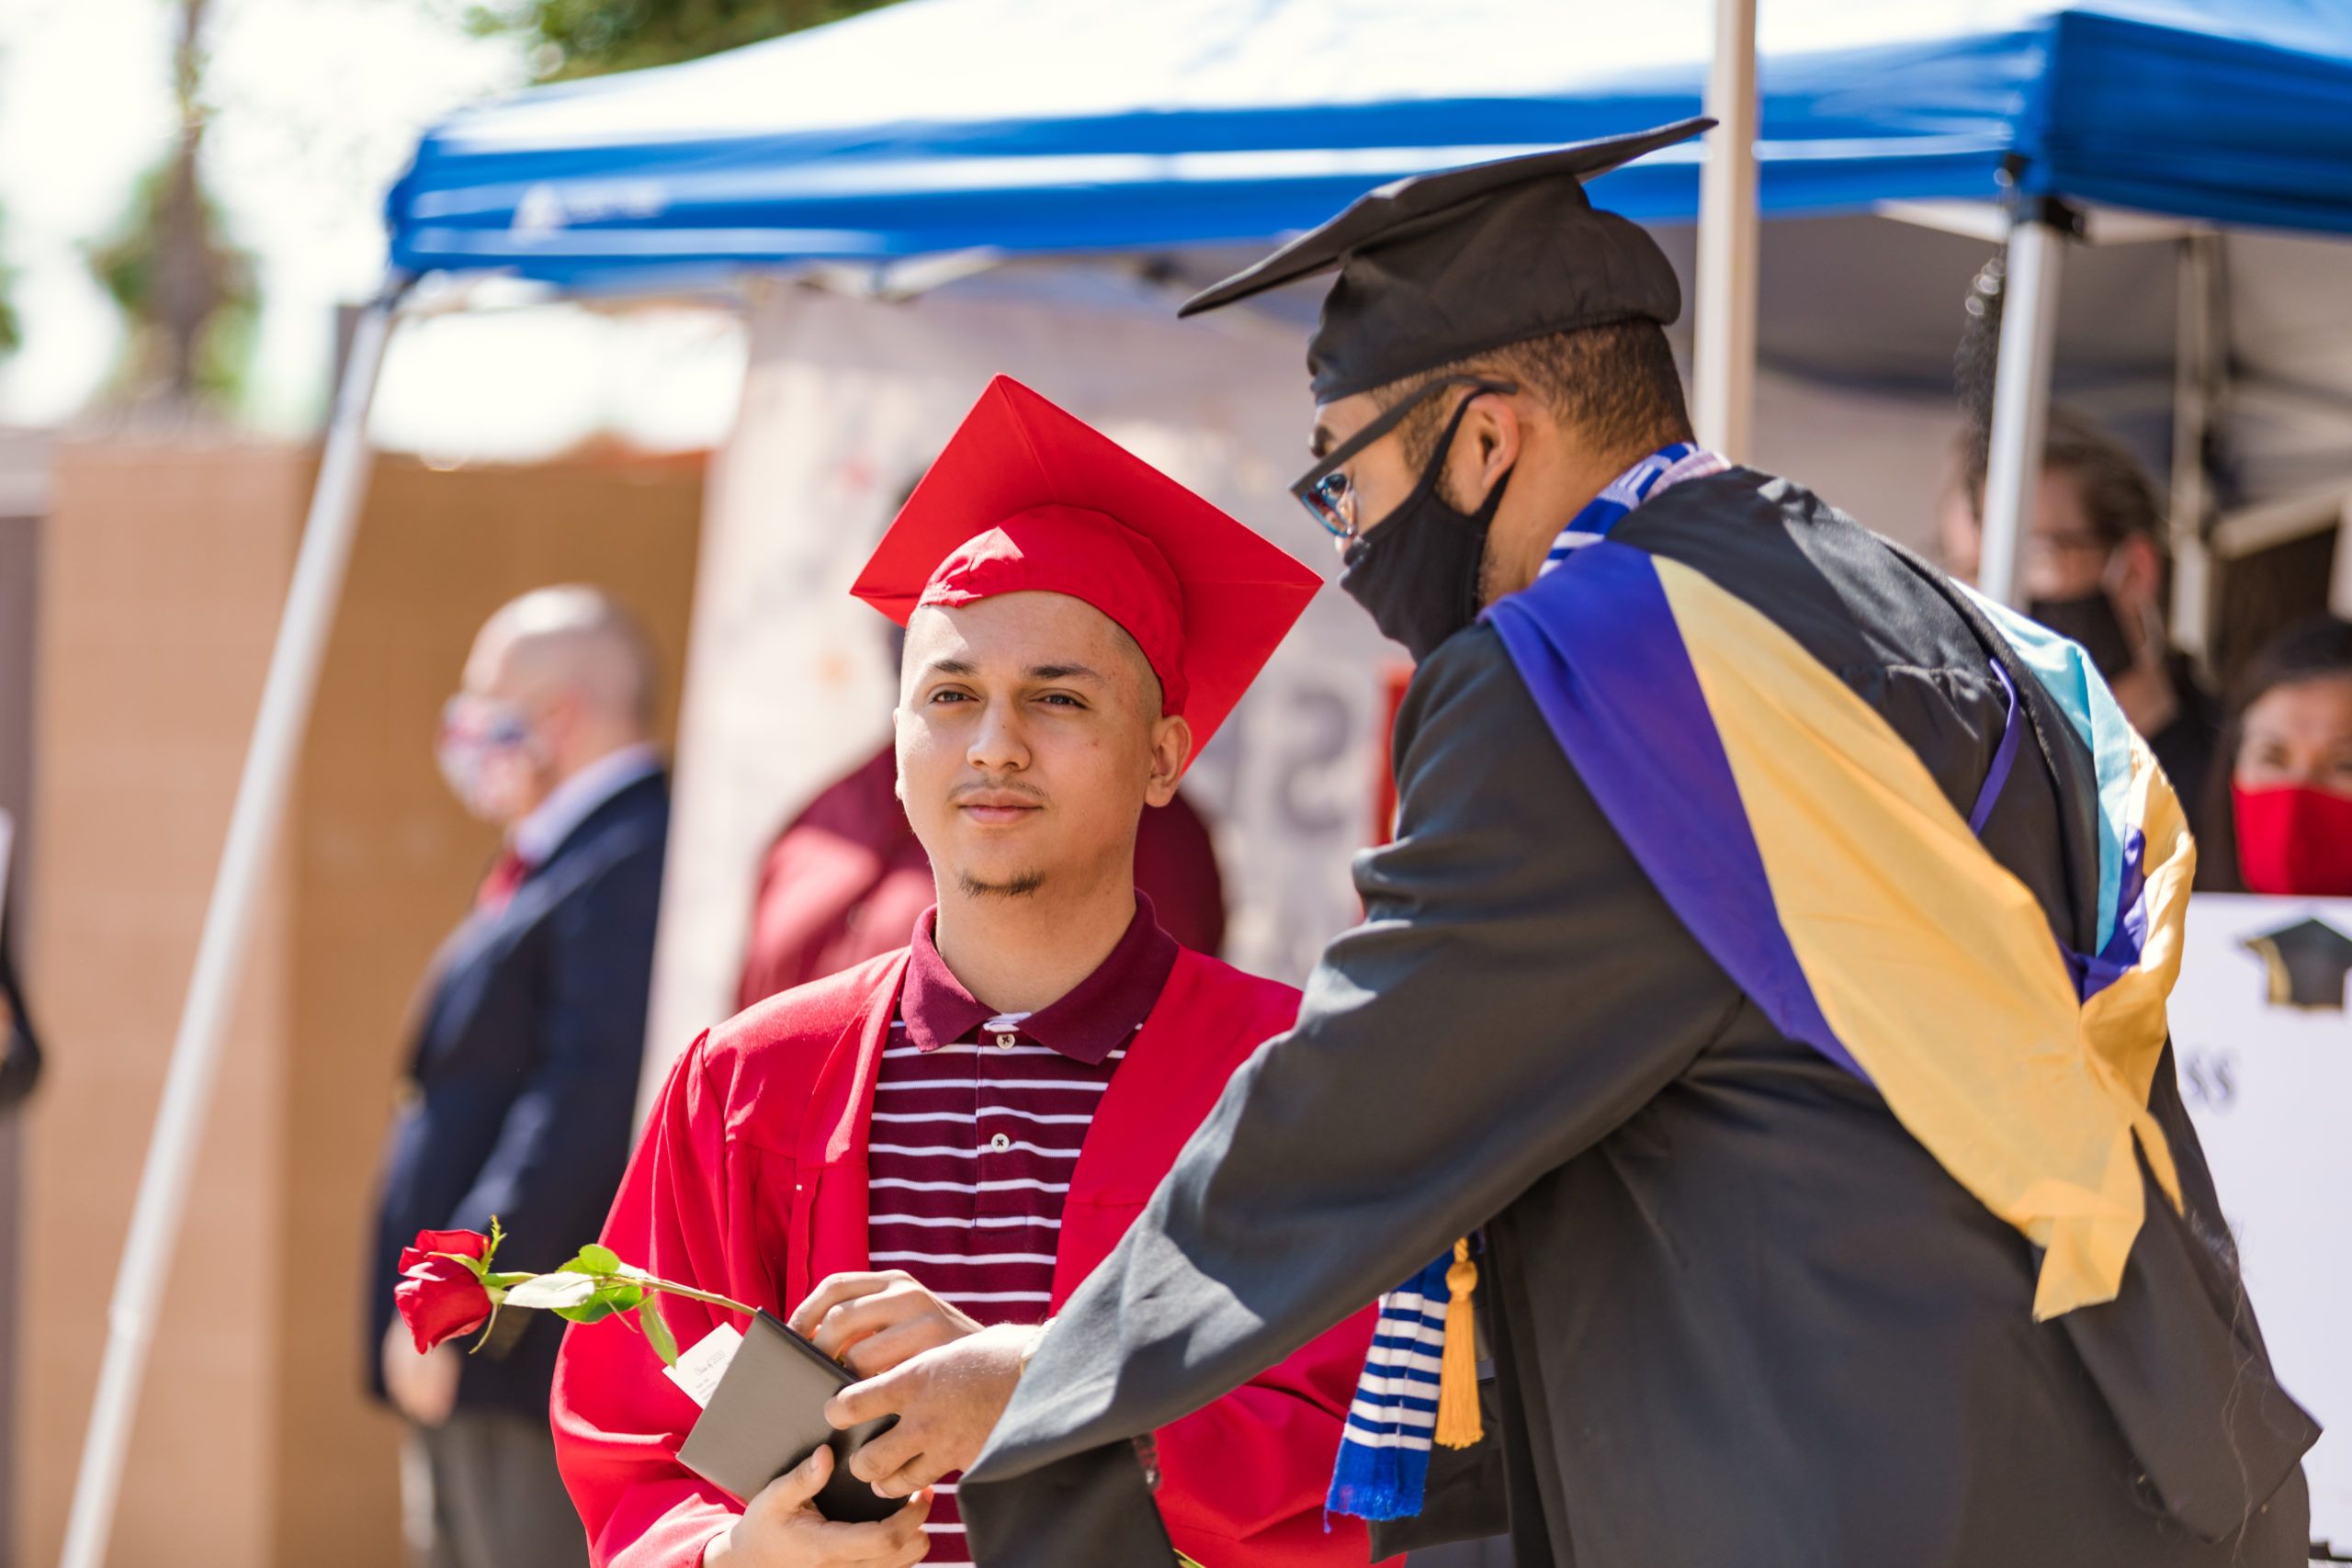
(2090, 620)
(1416, 570)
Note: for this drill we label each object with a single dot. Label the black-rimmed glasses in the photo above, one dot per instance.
(1325, 490)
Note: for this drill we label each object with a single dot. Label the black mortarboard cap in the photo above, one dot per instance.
(2306, 962)
(1438, 268)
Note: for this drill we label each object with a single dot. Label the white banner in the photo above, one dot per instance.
(2265, 1050)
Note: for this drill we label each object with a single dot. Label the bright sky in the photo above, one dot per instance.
(320, 102)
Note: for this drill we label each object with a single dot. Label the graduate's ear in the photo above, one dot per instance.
(1171, 748)
(1489, 447)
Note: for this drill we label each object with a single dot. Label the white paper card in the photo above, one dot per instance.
(699, 1369)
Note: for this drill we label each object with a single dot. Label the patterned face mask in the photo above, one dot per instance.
(487, 757)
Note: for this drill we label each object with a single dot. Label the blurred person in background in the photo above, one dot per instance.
(520, 1095)
(20, 1064)
(845, 880)
(2279, 819)
(2095, 567)
(21, 1061)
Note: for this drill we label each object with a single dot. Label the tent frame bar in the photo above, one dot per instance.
(311, 600)
(1990, 222)
(2200, 385)
(2038, 237)
(2251, 530)
(1724, 325)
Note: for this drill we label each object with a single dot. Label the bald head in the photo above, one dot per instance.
(566, 678)
(568, 643)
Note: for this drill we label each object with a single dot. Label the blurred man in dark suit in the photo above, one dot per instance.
(520, 1095)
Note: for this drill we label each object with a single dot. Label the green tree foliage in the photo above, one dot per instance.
(188, 295)
(12, 336)
(588, 38)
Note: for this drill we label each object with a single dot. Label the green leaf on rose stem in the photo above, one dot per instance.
(594, 1259)
(497, 1235)
(587, 1312)
(505, 1282)
(624, 1298)
(656, 1333)
(608, 1300)
(480, 1269)
(552, 1291)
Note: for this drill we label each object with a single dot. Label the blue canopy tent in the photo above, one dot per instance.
(1199, 122)
(1193, 122)
(971, 130)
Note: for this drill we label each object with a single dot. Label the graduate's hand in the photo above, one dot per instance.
(423, 1388)
(872, 1323)
(781, 1528)
(947, 1402)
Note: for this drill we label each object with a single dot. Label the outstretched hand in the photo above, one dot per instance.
(948, 1401)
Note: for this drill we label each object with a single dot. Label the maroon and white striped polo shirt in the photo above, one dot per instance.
(978, 1123)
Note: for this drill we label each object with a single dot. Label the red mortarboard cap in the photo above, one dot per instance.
(1026, 498)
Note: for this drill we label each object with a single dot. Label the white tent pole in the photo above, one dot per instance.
(270, 760)
(2197, 363)
(1724, 325)
(2020, 396)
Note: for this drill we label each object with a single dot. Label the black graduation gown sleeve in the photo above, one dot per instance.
(1411, 1102)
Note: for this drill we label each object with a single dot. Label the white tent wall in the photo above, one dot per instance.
(847, 399)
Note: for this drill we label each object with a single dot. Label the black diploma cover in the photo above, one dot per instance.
(768, 1414)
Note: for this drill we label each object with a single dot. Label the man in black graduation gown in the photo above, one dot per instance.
(1738, 1314)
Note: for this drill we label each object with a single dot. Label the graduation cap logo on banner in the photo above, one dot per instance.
(1028, 498)
(1438, 268)
(2305, 964)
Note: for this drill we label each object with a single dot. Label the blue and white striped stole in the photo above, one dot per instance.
(1384, 1461)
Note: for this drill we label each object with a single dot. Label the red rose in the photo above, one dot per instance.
(440, 1298)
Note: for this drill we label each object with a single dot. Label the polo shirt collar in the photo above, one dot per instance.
(1090, 1020)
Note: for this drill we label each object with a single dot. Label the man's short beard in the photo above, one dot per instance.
(1019, 886)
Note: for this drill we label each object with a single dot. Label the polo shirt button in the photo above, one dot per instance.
(1004, 1042)
(1000, 1143)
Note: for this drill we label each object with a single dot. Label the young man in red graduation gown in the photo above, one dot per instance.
(921, 1157)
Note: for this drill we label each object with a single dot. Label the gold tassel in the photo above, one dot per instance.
(1458, 1425)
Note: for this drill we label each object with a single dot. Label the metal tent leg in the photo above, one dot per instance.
(2199, 363)
(2021, 395)
(1724, 325)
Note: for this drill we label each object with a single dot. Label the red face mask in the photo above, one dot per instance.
(2294, 840)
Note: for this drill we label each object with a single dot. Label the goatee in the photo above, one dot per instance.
(1019, 886)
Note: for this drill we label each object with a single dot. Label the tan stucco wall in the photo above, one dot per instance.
(162, 574)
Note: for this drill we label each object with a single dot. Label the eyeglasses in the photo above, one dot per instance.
(1326, 491)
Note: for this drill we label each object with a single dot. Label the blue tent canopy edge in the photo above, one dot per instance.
(2145, 106)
